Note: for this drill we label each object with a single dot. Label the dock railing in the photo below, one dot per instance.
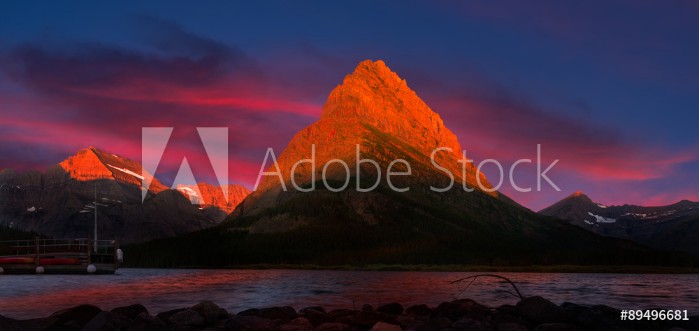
(100, 251)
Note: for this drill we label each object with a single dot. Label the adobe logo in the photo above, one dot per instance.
(155, 139)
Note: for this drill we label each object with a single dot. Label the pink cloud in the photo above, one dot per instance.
(98, 95)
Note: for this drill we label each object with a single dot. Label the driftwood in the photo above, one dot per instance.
(474, 277)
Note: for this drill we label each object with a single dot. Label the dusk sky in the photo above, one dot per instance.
(610, 88)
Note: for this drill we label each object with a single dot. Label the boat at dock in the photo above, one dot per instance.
(60, 256)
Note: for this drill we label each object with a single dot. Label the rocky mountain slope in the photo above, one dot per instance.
(53, 203)
(671, 227)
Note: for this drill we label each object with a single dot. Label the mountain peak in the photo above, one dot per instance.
(373, 110)
(92, 163)
(376, 69)
(578, 201)
(368, 64)
(579, 195)
(377, 97)
(371, 84)
(85, 165)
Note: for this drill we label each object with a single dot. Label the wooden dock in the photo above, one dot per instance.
(59, 256)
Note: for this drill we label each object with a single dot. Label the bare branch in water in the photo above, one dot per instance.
(474, 277)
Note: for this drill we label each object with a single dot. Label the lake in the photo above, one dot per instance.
(29, 296)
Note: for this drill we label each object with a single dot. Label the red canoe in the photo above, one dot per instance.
(16, 260)
(59, 261)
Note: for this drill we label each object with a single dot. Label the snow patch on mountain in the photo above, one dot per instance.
(642, 216)
(126, 171)
(188, 190)
(107, 199)
(602, 219)
(651, 215)
(601, 205)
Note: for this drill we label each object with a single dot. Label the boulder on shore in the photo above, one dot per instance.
(530, 314)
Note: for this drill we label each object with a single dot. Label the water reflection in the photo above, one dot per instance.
(39, 295)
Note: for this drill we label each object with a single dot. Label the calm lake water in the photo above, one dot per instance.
(30, 296)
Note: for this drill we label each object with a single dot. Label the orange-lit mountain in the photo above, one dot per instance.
(93, 164)
(375, 109)
(53, 203)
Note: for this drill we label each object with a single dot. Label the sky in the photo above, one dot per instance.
(609, 88)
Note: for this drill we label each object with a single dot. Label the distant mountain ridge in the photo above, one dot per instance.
(212, 199)
(52, 203)
(671, 227)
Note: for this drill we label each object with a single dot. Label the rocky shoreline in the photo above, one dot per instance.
(533, 313)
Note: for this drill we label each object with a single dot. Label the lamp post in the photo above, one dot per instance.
(93, 206)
